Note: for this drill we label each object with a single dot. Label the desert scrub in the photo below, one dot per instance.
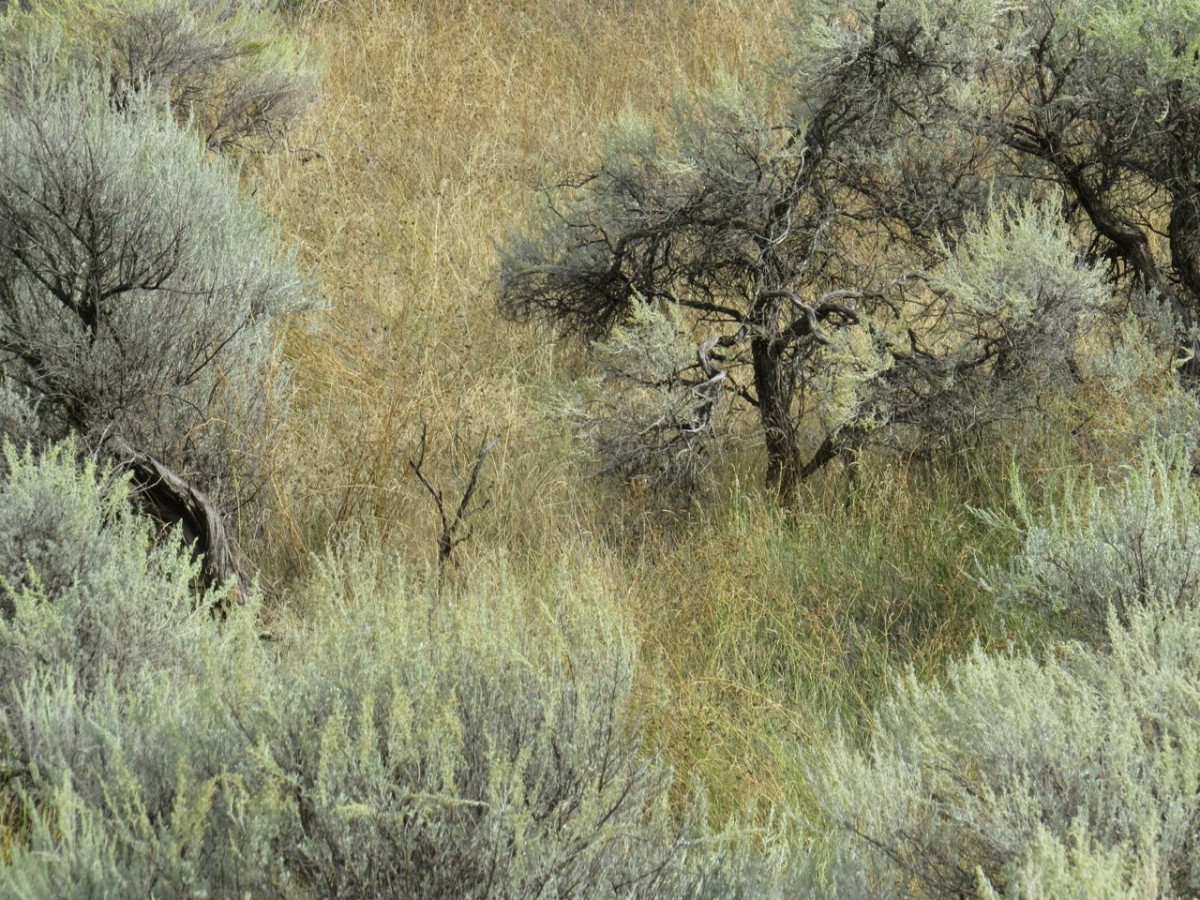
(381, 744)
(1102, 549)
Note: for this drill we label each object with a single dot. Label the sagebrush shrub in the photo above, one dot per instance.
(385, 744)
(1072, 774)
(1010, 302)
(1019, 773)
(226, 69)
(1129, 543)
(88, 590)
(483, 748)
(139, 292)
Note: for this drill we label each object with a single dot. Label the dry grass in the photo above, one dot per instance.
(437, 121)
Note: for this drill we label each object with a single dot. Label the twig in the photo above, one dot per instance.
(452, 533)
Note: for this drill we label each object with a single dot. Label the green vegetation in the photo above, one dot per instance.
(140, 291)
(382, 743)
(1069, 773)
(739, 449)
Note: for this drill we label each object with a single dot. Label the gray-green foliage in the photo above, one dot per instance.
(1021, 291)
(1101, 548)
(138, 290)
(1022, 774)
(383, 745)
(227, 69)
(1072, 774)
(1010, 301)
(86, 590)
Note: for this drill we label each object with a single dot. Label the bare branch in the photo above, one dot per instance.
(454, 530)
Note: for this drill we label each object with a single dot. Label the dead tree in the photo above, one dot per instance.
(454, 527)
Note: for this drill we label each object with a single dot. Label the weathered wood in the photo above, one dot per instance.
(170, 499)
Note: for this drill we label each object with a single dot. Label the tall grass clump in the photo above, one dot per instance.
(394, 740)
(763, 627)
(1075, 772)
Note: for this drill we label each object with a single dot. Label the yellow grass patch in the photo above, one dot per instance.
(437, 122)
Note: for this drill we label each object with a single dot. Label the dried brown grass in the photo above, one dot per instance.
(437, 121)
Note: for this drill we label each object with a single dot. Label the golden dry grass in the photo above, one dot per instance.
(438, 118)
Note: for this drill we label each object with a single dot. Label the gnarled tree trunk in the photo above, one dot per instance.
(170, 499)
